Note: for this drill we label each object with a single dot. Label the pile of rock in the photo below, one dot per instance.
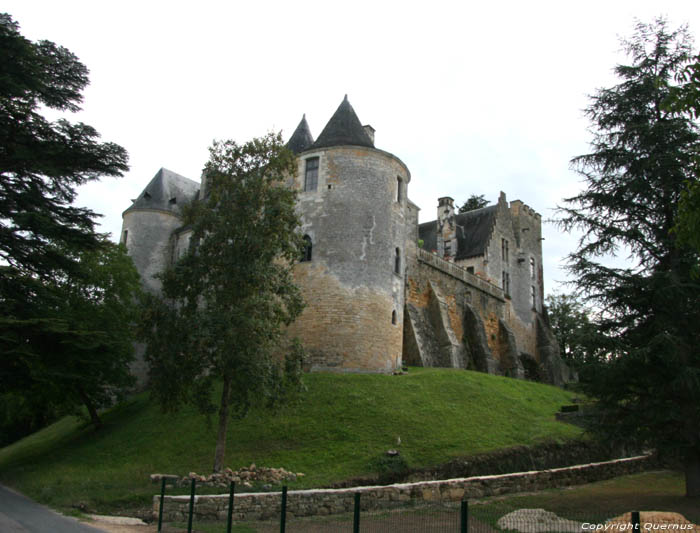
(246, 477)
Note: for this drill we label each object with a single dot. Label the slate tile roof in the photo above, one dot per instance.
(344, 128)
(474, 230)
(301, 139)
(166, 191)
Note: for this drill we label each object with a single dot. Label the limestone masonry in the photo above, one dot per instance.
(463, 291)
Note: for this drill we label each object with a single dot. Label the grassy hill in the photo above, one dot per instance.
(336, 430)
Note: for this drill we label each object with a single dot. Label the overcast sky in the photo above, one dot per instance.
(475, 97)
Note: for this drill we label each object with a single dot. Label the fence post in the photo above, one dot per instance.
(356, 514)
(283, 513)
(464, 520)
(160, 509)
(635, 521)
(230, 507)
(189, 520)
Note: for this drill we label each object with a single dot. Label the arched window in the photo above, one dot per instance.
(397, 262)
(393, 317)
(306, 255)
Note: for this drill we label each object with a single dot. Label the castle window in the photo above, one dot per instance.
(393, 317)
(533, 297)
(532, 268)
(397, 262)
(506, 282)
(470, 270)
(504, 250)
(306, 254)
(125, 236)
(311, 174)
(399, 192)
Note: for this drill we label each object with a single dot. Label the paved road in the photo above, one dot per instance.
(19, 514)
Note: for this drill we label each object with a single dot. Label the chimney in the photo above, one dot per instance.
(369, 130)
(447, 228)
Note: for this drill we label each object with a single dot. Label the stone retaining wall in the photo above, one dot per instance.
(314, 502)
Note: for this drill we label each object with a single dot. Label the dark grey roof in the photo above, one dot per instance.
(343, 128)
(473, 232)
(166, 191)
(301, 139)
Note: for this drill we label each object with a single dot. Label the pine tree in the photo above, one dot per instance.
(46, 243)
(648, 386)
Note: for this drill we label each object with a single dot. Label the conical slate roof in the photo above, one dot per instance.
(301, 139)
(343, 128)
(166, 191)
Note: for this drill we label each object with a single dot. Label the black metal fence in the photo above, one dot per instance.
(441, 517)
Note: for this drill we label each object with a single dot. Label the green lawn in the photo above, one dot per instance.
(333, 432)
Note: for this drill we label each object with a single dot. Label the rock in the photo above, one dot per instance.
(537, 521)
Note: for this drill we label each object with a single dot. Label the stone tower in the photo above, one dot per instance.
(353, 204)
(150, 227)
(149, 224)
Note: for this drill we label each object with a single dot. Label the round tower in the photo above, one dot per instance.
(149, 225)
(353, 204)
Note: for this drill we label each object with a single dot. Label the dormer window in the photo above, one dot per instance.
(311, 174)
(147, 195)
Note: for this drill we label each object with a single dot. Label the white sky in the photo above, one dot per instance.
(475, 97)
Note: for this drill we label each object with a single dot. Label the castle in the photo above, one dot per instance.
(462, 291)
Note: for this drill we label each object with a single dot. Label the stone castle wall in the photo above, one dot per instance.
(265, 506)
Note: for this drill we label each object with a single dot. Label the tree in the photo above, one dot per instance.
(74, 341)
(473, 202)
(42, 163)
(225, 303)
(685, 99)
(648, 385)
(576, 334)
(45, 241)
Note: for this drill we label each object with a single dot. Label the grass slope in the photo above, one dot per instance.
(333, 432)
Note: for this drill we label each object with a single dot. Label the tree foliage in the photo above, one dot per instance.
(576, 333)
(71, 341)
(225, 304)
(685, 99)
(473, 202)
(60, 281)
(648, 385)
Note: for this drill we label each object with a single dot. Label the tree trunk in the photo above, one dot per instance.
(223, 426)
(94, 417)
(692, 475)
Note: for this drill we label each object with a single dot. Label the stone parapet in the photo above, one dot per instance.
(315, 502)
(460, 273)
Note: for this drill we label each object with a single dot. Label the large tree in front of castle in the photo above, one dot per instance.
(648, 385)
(224, 306)
(66, 292)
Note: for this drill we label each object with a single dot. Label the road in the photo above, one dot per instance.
(19, 514)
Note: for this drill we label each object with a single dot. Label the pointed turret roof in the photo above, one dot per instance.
(343, 128)
(301, 139)
(166, 191)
